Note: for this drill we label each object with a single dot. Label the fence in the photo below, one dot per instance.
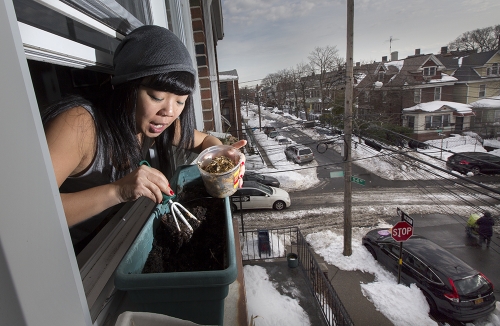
(274, 243)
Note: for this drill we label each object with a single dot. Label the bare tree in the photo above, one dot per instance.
(481, 40)
(270, 84)
(323, 61)
(299, 77)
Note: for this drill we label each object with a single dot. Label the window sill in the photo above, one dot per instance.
(102, 255)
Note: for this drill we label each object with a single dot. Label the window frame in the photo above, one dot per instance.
(411, 121)
(417, 96)
(430, 71)
(91, 274)
(482, 91)
(495, 68)
(442, 121)
(437, 93)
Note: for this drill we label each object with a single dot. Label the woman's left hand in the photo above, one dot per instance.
(239, 144)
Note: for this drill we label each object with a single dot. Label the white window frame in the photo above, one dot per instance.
(482, 91)
(495, 69)
(437, 93)
(39, 261)
(430, 71)
(417, 95)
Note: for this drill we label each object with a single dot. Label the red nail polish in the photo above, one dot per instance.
(241, 176)
(171, 192)
(242, 163)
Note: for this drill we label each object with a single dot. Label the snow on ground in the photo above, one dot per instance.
(266, 306)
(273, 308)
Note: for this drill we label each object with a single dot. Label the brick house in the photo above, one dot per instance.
(390, 86)
(230, 103)
(207, 25)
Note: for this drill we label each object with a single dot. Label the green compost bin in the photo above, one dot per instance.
(197, 296)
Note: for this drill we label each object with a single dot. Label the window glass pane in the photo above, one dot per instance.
(446, 120)
(470, 284)
(122, 15)
(482, 90)
(411, 122)
(36, 15)
(437, 93)
(416, 96)
(139, 9)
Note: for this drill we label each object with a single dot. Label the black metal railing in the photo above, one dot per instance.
(268, 243)
(274, 243)
(332, 308)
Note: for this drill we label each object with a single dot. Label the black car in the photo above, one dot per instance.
(450, 286)
(264, 179)
(475, 162)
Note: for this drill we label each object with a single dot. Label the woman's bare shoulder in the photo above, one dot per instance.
(73, 132)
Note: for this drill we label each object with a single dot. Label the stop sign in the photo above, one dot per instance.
(402, 231)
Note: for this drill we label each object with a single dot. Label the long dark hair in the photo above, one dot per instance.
(115, 124)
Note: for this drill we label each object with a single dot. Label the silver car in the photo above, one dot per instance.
(255, 195)
(299, 154)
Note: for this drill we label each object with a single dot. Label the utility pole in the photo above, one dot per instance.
(246, 98)
(348, 131)
(258, 105)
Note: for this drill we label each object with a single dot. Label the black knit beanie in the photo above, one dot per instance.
(150, 50)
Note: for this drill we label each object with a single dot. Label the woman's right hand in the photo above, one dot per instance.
(143, 181)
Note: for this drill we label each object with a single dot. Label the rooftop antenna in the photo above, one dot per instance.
(390, 40)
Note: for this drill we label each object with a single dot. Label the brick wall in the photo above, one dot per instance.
(200, 43)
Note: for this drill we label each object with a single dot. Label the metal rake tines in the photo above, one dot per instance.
(176, 212)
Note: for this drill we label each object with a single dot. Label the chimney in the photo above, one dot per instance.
(444, 49)
(384, 59)
(394, 56)
(417, 51)
(358, 64)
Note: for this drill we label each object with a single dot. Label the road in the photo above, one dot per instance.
(439, 208)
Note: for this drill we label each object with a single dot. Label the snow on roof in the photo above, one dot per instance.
(436, 105)
(490, 102)
(444, 78)
(227, 77)
(398, 64)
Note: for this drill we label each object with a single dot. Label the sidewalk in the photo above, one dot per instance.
(347, 285)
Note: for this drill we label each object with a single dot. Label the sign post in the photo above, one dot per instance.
(357, 180)
(401, 232)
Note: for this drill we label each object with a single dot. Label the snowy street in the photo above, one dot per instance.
(319, 216)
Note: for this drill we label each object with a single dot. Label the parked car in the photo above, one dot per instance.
(268, 129)
(299, 153)
(255, 195)
(450, 286)
(283, 140)
(273, 134)
(415, 144)
(475, 162)
(308, 124)
(264, 179)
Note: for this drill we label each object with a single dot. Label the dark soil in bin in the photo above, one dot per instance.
(185, 251)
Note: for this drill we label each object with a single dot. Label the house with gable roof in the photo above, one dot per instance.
(431, 119)
(477, 74)
(486, 121)
(388, 87)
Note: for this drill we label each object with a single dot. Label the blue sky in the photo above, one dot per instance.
(265, 36)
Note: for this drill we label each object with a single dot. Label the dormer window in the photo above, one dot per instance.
(494, 69)
(381, 76)
(430, 71)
